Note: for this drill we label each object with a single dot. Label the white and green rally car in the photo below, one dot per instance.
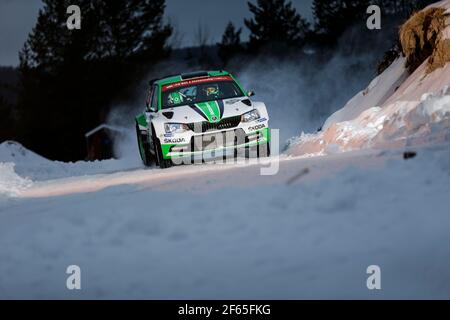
(200, 115)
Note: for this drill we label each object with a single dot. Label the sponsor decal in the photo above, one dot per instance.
(261, 120)
(174, 140)
(168, 135)
(195, 81)
(257, 127)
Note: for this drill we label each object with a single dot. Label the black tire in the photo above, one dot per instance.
(264, 150)
(146, 156)
(160, 161)
(235, 150)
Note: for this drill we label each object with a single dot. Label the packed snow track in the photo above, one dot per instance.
(226, 231)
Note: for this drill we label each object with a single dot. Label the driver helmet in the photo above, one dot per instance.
(175, 98)
(212, 90)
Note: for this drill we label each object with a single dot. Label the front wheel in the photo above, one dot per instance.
(160, 161)
(143, 146)
(264, 150)
(259, 151)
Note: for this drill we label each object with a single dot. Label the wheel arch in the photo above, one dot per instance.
(141, 121)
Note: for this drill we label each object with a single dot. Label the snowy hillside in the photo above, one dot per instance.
(378, 91)
(397, 109)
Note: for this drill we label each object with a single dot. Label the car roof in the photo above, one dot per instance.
(191, 75)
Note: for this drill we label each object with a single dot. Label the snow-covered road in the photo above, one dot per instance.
(207, 176)
(225, 231)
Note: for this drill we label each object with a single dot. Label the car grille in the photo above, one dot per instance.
(205, 126)
(217, 140)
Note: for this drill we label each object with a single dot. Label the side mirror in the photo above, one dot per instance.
(250, 93)
(149, 108)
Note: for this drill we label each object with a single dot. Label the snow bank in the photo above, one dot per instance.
(11, 151)
(32, 166)
(10, 183)
(378, 91)
(395, 110)
(400, 124)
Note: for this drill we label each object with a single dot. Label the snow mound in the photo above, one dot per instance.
(37, 168)
(400, 124)
(10, 183)
(378, 91)
(397, 109)
(11, 151)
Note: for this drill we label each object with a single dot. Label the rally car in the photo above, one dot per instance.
(200, 115)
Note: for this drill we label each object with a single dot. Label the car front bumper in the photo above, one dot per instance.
(212, 144)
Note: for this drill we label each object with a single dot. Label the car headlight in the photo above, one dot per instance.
(175, 127)
(250, 116)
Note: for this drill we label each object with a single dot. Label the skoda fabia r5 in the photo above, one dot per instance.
(200, 115)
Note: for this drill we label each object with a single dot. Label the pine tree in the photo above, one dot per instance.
(6, 120)
(402, 8)
(117, 29)
(69, 77)
(275, 21)
(231, 43)
(132, 27)
(333, 17)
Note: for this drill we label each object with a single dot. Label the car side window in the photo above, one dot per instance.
(154, 103)
(148, 100)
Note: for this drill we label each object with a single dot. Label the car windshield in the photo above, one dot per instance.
(199, 90)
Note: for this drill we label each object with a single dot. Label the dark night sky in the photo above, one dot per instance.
(17, 18)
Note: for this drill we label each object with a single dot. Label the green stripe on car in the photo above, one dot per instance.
(211, 110)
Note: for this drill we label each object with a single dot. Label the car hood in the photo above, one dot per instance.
(211, 111)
